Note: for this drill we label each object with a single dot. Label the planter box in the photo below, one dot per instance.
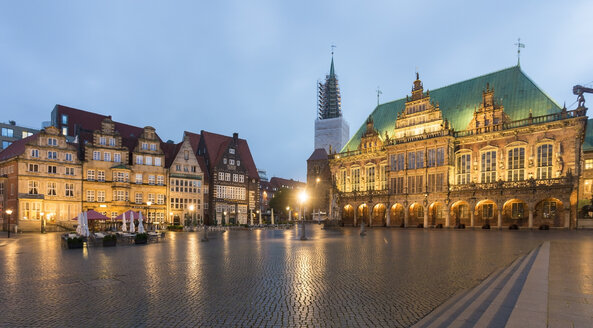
(74, 244)
(140, 241)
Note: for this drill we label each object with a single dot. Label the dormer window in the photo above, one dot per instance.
(231, 150)
(102, 141)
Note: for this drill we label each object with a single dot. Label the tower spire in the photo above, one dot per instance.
(331, 69)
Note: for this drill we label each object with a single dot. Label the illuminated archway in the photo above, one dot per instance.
(416, 214)
(396, 213)
(362, 214)
(460, 213)
(486, 211)
(436, 214)
(515, 211)
(378, 216)
(549, 211)
(348, 215)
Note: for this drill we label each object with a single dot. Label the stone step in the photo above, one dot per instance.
(467, 308)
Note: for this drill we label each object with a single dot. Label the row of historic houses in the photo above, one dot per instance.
(490, 150)
(87, 161)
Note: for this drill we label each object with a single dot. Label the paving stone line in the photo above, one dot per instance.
(476, 302)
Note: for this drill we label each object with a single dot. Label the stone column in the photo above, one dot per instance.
(388, 216)
(425, 217)
(447, 217)
(567, 216)
(472, 216)
(355, 211)
(530, 222)
(499, 210)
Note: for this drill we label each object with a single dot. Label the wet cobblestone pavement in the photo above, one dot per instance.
(388, 278)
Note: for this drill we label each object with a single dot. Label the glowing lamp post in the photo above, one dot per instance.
(9, 212)
(302, 199)
(191, 211)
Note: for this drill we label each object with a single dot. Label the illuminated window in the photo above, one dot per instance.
(33, 188)
(544, 162)
(51, 188)
(69, 188)
(370, 173)
(588, 164)
(355, 179)
(516, 164)
(488, 166)
(487, 211)
(517, 210)
(463, 168)
(588, 183)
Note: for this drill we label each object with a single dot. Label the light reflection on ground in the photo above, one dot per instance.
(390, 277)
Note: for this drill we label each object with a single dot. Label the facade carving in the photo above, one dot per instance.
(496, 171)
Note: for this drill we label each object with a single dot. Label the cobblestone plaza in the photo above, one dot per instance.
(389, 278)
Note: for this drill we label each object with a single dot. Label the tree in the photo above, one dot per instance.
(283, 198)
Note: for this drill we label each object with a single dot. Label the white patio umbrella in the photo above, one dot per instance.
(79, 225)
(272, 218)
(132, 226)
(85, 231)
(123, 220)
(140, 225)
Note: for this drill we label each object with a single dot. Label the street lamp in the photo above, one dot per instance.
(317, 194)
(148, 203)
(288, 212)
(223, 218)
(302, 199)
(171, 217)
(9, 212)
(191, 210)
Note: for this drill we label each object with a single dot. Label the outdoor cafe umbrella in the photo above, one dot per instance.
(132, 226)
(272, 217)
(85, 224)
(123, 226)
(79, 225)
(140, 226)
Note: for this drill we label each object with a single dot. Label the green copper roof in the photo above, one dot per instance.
(331, 69)
(588, 144)
(517, 93)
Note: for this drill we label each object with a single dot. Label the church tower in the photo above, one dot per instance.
(331, 130)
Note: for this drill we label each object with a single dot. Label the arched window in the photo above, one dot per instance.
(544, 161)
(516, 164)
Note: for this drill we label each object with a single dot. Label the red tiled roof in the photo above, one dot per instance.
(216, 144)
(17, 147)
(194, 140)
(170, 150)
(318, 154)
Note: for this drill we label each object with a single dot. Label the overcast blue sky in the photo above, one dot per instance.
(251, 66)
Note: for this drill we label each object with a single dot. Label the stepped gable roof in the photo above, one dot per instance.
(194, 140)
(170, 150)
(318, 154)
(216, 144)
(17, 147)
(457, 102)
(588, 142)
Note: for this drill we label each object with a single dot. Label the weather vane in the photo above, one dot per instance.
(378, 94)
(333, 47)
(519, 46)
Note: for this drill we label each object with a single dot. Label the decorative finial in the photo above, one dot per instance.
(378, 93)
(417, 75)
(333, 47)
(519, 46)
